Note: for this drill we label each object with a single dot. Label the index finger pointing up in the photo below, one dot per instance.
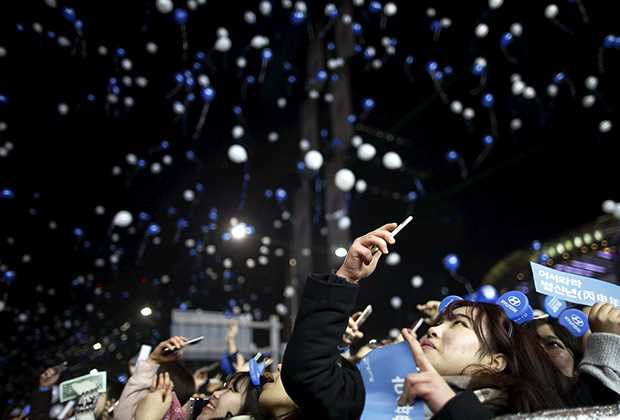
(420, 358)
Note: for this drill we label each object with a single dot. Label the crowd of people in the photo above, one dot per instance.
(473, 362)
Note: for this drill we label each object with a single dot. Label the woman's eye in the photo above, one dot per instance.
(459, 322)
(555, 346)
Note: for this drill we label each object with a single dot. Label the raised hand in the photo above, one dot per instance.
(603, 318)
(157, 402)
(158, 355)
(429, 309)
(427, 384)
(352, 333)
(360, 262)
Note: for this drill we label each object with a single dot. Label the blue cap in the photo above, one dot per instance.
(447, 301)
(514, 303)
(575, 321)
(554, 306)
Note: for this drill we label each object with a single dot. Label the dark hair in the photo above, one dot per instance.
(572, 343)
(249, 405)
(530, 380)
(184, 385)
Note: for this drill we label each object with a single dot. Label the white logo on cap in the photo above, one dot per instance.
(514, 301)
(577, 320)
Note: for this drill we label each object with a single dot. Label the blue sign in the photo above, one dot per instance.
(384, 381)
(574, 288)
(554, 306)
(575, 321)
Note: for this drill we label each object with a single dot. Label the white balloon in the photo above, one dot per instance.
(396, 302)
(551, 11)
(238, 132)
(366, 151)
(390, 9)
(391, 160)
(495, 4)
(529, 93)
(360, 186)
(237, 153)
(189, 195)
(588, 101)
(552, 90)
(515, 124)
(223, 44)
(482, 30)
(344, 180)
(356, 141)
(122, 219)
(249, 17)
(164, 6)
(265, 8)
(516, 29)
(604, 126)
(222, 32)
(259, 41)
(313, 160)
(304, 145)
(393, 258)
(518, 87)
(417, 281)
(609, 206)
(469, 113)
(591, 82)
(344, 223)
(456, 107)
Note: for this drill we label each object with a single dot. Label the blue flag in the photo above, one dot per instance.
(383, 372)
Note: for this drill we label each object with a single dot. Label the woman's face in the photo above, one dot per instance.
(560, 355)
(224, 401)
(452, 345)
(273, 399)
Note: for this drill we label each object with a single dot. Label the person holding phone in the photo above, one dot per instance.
(163, 359)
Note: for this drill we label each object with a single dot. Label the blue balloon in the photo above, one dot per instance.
(281, 194)
(78, 232)
(7, 194)
(409, 59)
(298, 17)
(368, 104)
(487, 294)
(609, 41)
(487, 140)
(478, 69)
(506, 39)
(69, 14)
(451, 262)
(267, 54)
(4, 99)
(356, 28)
(488, 100)
(412, 196)
(207, 94)
(181, 16)
(559, 77)
(153, 229)
(452, 155)
(321, 75)
(536, 245)
(375, 7)
(432, 66)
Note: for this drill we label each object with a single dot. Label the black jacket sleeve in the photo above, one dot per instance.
(318, 380)
(464, 406)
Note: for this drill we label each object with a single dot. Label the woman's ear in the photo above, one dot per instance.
(498, 362)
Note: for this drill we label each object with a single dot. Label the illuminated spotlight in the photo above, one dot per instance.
(97, 346)
(560, 248)
(587, 238)
(239, 231)
(578, 242)
(340, 252)
(598, 235)
(146, 311)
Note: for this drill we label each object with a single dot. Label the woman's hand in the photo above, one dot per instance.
(352, 333)
(604, 317)
(158, 355)
(429, 309)
(360, 262)
(427, 384)
(157, 402)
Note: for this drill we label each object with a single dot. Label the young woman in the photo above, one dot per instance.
(474, 341)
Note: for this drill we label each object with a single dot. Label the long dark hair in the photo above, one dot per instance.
(249, 406)
(184, 386)
(530, 380)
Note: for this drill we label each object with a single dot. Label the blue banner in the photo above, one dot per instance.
(573, 287)
(383, 371)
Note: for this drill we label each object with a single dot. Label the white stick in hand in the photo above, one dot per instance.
(395, 231)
